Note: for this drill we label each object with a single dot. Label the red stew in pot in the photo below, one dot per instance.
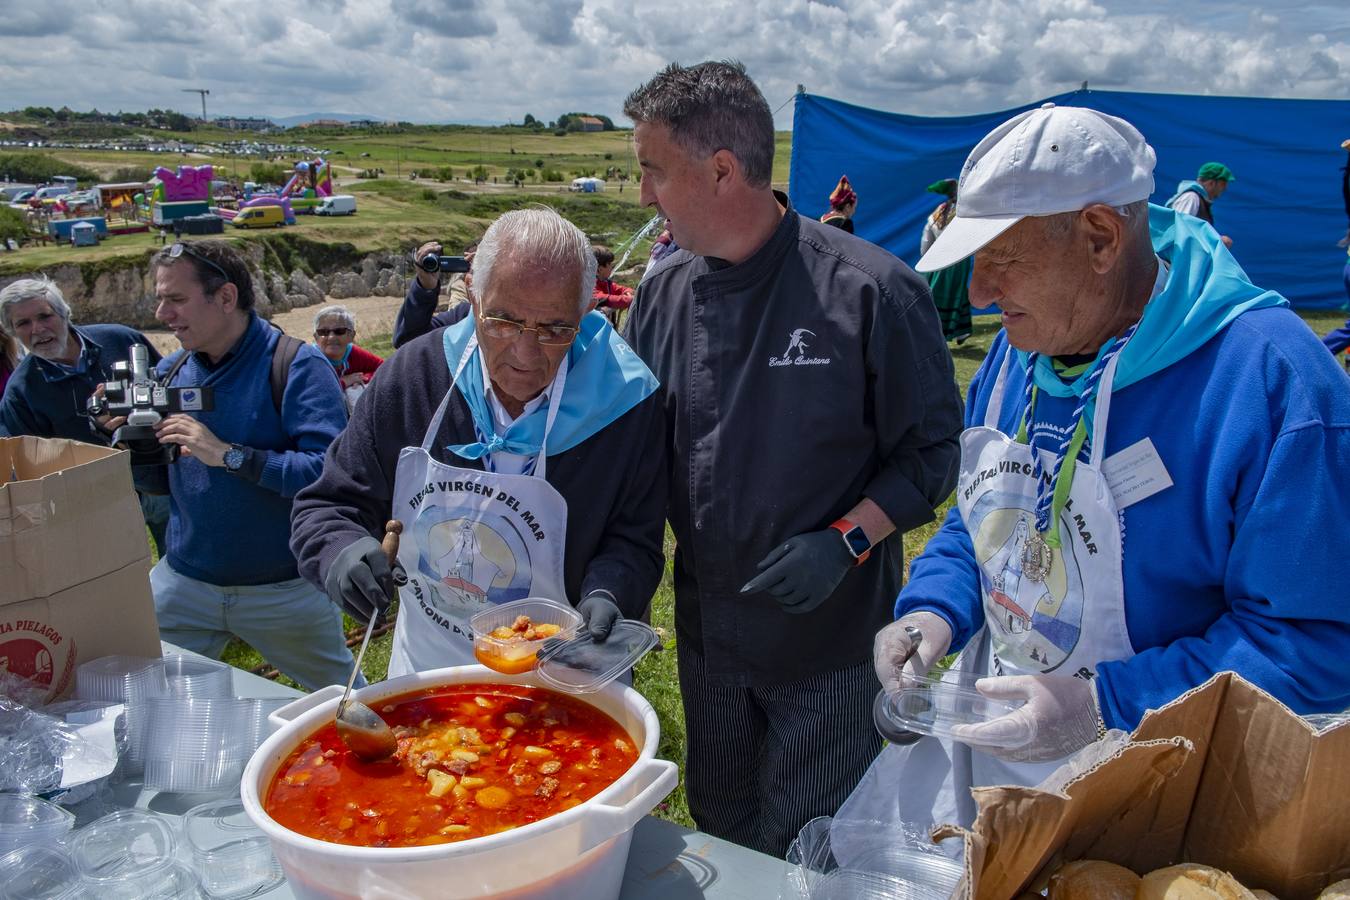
(472, 760)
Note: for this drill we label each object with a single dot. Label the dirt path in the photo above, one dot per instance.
(374, 315)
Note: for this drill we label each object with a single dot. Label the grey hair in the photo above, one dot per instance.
(709, 107)
(26, 289)
(336, 311)
(1058, 226)
(539, 235)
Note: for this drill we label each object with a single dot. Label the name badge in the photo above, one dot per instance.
(1135, 473)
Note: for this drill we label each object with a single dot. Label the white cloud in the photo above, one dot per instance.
(495, 60)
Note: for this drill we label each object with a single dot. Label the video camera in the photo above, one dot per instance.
(434, 262)
(145, 402)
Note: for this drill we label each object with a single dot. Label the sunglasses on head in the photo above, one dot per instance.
(179, 248)
(332, 332)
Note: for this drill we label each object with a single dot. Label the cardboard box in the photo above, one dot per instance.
(1225, 775)
(74, 561)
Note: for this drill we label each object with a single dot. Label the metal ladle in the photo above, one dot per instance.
(361, 729)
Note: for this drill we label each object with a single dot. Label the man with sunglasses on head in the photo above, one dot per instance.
(228, 570)
(521, 449)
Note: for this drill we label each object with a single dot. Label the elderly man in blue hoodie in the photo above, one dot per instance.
(1152, 476)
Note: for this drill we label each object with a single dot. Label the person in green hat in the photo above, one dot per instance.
(1196, 198)
(948, 286)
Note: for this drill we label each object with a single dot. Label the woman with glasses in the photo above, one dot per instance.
(522, 448)
(335, 336)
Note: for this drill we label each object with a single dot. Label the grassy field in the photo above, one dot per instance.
(656, 675)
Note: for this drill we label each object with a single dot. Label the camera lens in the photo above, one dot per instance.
(430, 263)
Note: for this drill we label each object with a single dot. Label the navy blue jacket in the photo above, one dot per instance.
(418, 315)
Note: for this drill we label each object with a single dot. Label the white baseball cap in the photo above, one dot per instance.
(1055, 159)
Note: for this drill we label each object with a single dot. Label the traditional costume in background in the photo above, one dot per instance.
(950, 286)
(840, 197)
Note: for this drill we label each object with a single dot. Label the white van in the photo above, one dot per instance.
(337, 205)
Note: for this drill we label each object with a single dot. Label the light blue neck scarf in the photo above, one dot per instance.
(338, 364)
(1205, 291)
(605, 379)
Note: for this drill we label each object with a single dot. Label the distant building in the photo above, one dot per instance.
(244, 123)
(591, 123)
(322, 123)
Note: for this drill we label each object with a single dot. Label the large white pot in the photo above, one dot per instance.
(579, 853)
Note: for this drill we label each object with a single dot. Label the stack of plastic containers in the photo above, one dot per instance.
(230, 855)
(193, 676)
(28, 820)
(202, 744)
(131, 680)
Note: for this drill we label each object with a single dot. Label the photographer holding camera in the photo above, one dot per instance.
(48, 390)
(418, 314)
(229, 569)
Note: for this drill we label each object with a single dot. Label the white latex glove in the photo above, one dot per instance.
(892, 644)
(1061, 716)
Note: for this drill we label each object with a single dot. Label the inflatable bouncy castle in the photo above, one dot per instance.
(174, 195)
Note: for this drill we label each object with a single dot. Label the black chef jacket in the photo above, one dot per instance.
(794, 384)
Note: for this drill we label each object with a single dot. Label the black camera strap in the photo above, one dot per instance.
(283, 354)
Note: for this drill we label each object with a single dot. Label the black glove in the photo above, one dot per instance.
(804, 570)
(599, 612)
(361, 581)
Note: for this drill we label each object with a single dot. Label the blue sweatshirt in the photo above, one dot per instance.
(225, 529)
(1240, 564)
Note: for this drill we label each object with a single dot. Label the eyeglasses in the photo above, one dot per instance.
(505, 330)
(332, 332)
(178, 249)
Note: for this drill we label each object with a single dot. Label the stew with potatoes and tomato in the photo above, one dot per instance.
(472, 760)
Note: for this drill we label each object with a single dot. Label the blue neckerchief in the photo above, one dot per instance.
(341, 363)
(605, 379)
(1192, 186)
(1205, 291)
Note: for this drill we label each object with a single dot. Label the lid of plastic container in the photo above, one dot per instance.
(581, 666)
(21, 814)
(933, 706)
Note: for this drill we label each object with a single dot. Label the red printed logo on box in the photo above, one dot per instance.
(34, 650)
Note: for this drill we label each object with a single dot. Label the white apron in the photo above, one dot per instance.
(471, 539)
(1047, 610)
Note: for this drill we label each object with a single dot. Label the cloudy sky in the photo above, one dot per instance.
(496, 60)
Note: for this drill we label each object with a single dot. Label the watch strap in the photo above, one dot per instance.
(852, 533)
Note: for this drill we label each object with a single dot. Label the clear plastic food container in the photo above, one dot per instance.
(933, 706)
(860, 859)
(40, 873)
(195, 676)
(131, 680)
(231, 856)
(28, 820)
(581, 666)
(512, 655)
(199, 744)
(126, 855)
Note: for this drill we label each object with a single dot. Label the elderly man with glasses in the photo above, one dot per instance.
(228, 570)
(520, 447)
(65, 363)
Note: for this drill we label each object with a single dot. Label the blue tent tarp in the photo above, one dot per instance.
(1284, 211)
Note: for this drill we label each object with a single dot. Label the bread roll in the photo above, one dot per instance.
(1338, 891)
(1091, 879)
(1189, 881)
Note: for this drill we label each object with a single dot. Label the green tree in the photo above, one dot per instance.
(530, 121)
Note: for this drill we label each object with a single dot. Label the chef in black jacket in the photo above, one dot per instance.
(812, 418)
